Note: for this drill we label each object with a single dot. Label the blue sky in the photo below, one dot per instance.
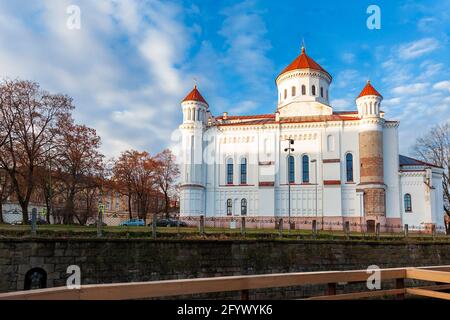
(132, 61)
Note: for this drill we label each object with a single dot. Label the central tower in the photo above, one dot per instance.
(303, 88)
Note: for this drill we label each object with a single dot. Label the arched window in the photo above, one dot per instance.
(305, 169)
(243, 207)
(313, 90)
(349, 167)
(285, 93)
(230, 171)
(293, 91)
(407, 201)
(330, 143)
(291, 169)
(327, 94)
(229, 207)
(189, 114)
(303, 89)
(321, 92)
(243, 171)
(35, 278)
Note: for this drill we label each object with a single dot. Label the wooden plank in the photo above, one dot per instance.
(428, 275)
(359, 295)
(137, 290)
(428, 293)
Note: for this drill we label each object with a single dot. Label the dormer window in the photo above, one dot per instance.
(313, 90)
(303, 89)
(293, 91)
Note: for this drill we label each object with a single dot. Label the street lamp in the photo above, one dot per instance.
(288, 150)
(317, 184)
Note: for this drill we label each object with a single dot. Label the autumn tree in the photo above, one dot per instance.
(434, 147)
(80, 163)
(29, 116)
(136, 172)
(167, 173)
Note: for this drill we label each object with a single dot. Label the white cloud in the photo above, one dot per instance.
(411, 89)
(415, 49)
(442, 85)
(128, 90)
(348, 57)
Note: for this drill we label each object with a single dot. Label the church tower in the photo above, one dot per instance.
(371, 153)
(195, 119)
(303, 88)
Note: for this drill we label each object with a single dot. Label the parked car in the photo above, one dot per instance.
(133, 223)
(169, 223)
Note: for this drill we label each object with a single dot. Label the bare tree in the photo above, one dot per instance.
(31, 115)
(79, 160)
(167, 173)
(434, 147)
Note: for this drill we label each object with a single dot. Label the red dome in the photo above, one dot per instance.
(304, 62)
(195, 95)
(369, 90)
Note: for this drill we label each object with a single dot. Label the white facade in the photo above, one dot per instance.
(238, 165)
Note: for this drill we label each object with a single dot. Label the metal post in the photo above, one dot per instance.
(280, 226)
(100, 220)
(289, 149)
(406, 230)
(377, 230)
(347, 230)
(314, 229)
(243, 226)
(202, 225)
(433, 231)
(154, 224)
(33, 221)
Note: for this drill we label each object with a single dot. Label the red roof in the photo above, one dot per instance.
(304, 62)
(195, 95)
(369, 90)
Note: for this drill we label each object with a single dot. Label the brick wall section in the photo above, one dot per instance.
(371, 158)
(125, 260)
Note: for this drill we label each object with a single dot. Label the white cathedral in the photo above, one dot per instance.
(305, 161)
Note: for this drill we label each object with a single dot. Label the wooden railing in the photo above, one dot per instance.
(439, 275)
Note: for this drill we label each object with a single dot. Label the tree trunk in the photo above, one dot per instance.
(129, 207)
(24, 206)
(166, 205)
(1, 211)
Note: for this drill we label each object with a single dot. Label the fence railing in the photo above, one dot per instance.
(438, 275)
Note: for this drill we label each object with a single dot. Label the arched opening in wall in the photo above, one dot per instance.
(285, 93)
(291, 169)
(407, 202)
(330, 143)
(321, 92)
(305, 169)
(244, 171)
(349, 167)
(327, 94)
(230, 171)
(35, 278)
(293, 91)
(370, 226)
(229, 207)
(189, 114)
(303, 89)
(313, 90)
(244, 207)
